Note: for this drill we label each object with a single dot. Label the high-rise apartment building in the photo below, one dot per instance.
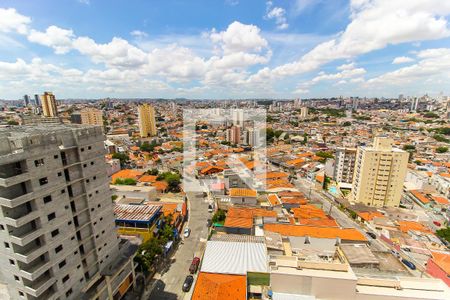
(379, 174)
(26, 100)
(147, 122)
(344, 166)
(414, 104)
(49, 105)
(303, 112)
(234, 135)
(238, 117)
(91, 116)
(37, 102)
(57, 233)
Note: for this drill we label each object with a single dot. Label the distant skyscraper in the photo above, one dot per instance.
(355, 103)
(234, 135)
(414, 104)
(147, 122)
(26, 100)
(304, 112)
(49, 105)
(36, 100)
(401, 97)
(379, 174)
(238, 117)
(91, 116)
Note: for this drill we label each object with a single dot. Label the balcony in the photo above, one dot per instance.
(29, 253)
(15, 195)
(35, 269)
(21, 220)
(36, 288)
(14, 173)
(25, 237)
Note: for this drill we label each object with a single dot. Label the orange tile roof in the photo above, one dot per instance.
(238, 222)
(160, 185)
(319, 223)
(272, 175)
(134, 174)
(350, 234)
(309, 211)
(250, 213)
(442, 260)
(239, 192)
(211, 170)
(212, 286)
(278, 183)
(294, 200)
(134, 148)
(421, 197)
(446, 175)
(273, 199)
(440, 200)
(291, 194)
(369, 215)
(148, 178)
(406, 226)
(296, 161)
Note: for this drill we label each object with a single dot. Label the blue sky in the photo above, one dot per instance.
(224, 48)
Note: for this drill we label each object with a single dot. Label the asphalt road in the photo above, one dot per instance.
(169, 281)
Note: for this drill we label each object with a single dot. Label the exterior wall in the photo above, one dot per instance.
(49, 105)
(57, 227)
(147, 122)
(345, 165)
(243, 200)
(379, 175)
(434, 270)
(314, 286)
(91, 116)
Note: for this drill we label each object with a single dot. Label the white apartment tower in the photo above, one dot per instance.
(344, 166)
(57, 231)
(379, 174)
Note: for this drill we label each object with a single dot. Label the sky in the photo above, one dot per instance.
(221, 49)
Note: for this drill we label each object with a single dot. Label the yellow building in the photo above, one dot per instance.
(379, 174)
(147, 122)
(91, 116)
(49, 104)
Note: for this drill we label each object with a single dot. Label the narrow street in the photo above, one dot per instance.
(168, 282)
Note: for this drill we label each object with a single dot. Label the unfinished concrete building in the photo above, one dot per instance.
(57, 233)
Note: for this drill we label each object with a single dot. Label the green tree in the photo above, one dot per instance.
(409, 147)
(124, 158)
(219, 216)
(12, 122)
(347, 123)
(153, 172)
(441, 149)
(444, 233)
(324, 154)
(125, 181)
(441, 138)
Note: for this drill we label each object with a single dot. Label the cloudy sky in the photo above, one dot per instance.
(224, 48)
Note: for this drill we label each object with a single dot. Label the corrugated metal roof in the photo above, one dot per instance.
(142, 213)
(234, 257)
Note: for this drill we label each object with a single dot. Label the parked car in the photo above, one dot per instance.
(395, 253)
(409, 264)
(187, 283)
(406, 249)
(437, 223)
(371, 234)
(194, 265)
(209, 223)
(210, 208)
(187, 232)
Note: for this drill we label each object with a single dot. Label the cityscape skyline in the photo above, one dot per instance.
(276, 49)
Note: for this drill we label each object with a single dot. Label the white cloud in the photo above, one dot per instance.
(239, 37)
(302, 5)
(402, 60)
(434, 64)
(375, 24)
(12, 21)
(57, 38)
(139, 34)
(278, 14)
(349, 66)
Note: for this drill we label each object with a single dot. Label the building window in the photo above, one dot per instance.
(59, 174)
(21, 294)
(2, 227)
(89, 147)
(82, 149)
(16, 278)
(43, 181)
(92, 163)
(12, 262)
(47, 199)
(39, 162)
(55, 156)
(63, 191)
(55, 232)
(62, 264)
(6, 245)
(69, 292)
(58, 249)
(84, 165)
(51, 216)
